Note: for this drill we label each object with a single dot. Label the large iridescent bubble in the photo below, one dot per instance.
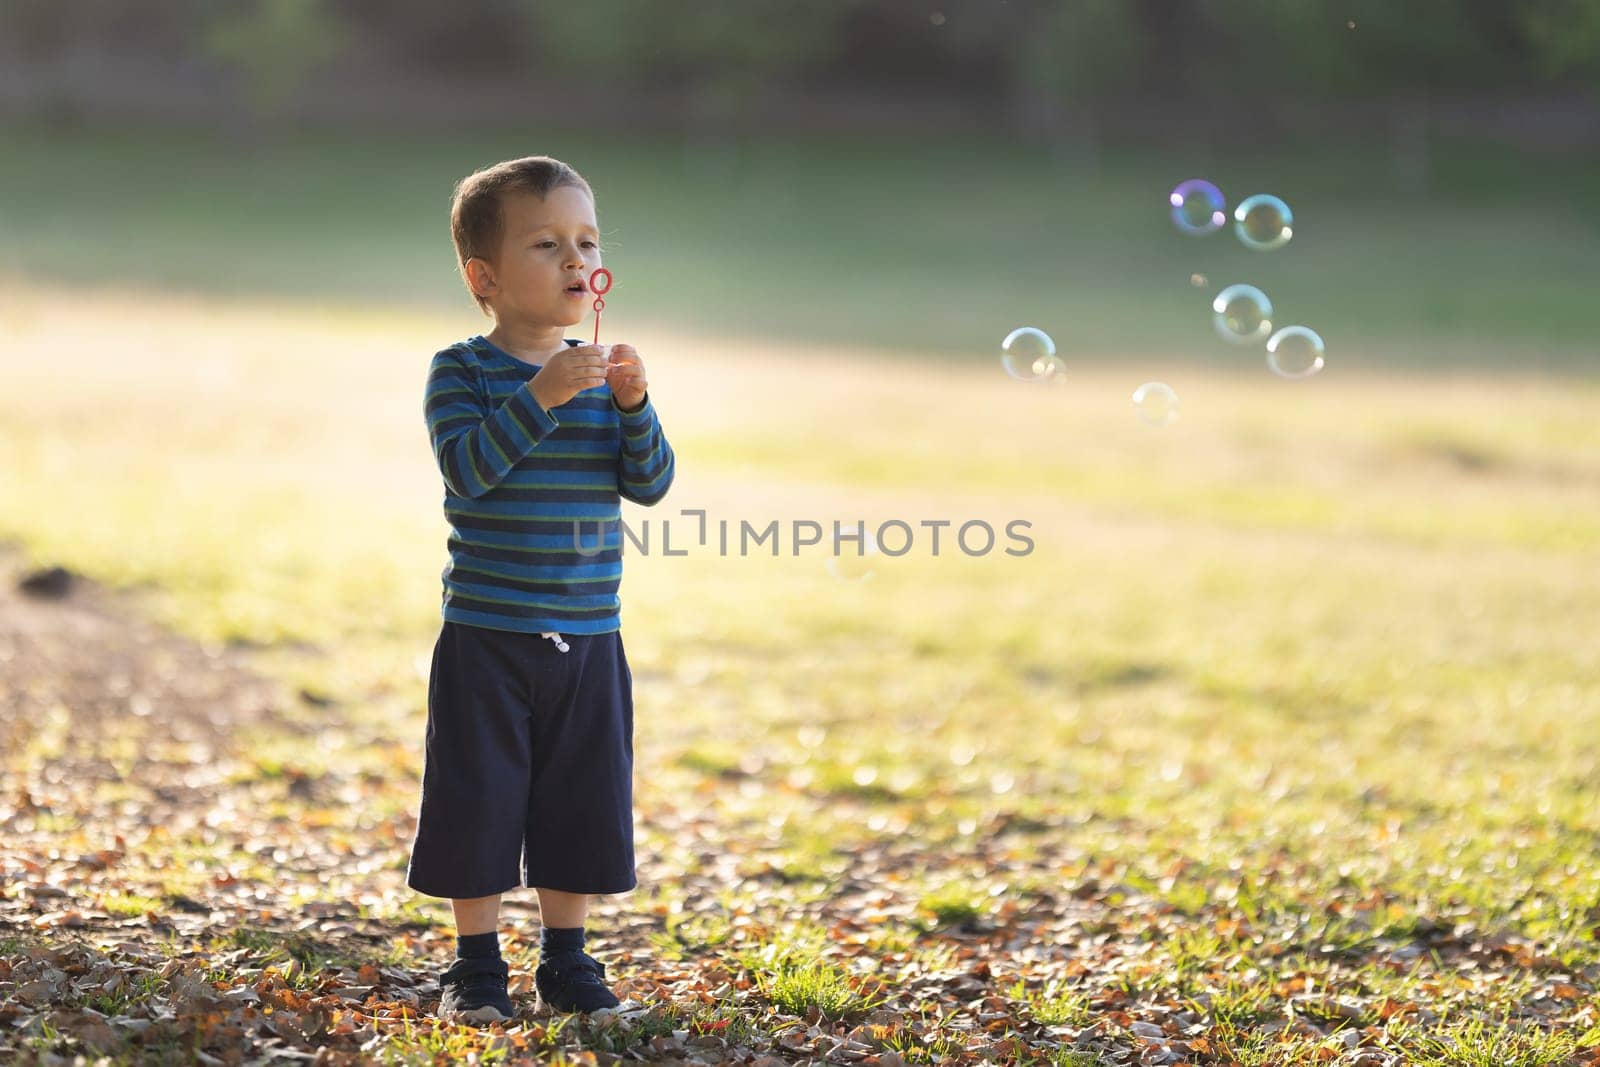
(1242, 314)
(1029, 355)
(1263, 222)
(1197, 207)
(1295, 352)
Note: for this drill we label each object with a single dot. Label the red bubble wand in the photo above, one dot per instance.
(599, 303)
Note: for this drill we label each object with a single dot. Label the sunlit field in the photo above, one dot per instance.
(1294, 704)
(919, 245)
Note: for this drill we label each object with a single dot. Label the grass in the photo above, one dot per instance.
(952, 905)
(685, 932)
(130, 904)
(801, 988)
(1237, 1002)
(1478, 1043)
(1054, 1006)
(924, 247)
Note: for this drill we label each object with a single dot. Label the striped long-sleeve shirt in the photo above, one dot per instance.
(533, 497)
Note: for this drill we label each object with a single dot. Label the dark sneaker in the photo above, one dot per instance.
(474, 991)
(573, 981)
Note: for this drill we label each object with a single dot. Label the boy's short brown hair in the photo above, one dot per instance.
(477, 222)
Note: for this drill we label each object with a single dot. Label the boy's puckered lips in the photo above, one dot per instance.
(577, 288)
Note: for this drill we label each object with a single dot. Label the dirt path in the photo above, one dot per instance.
(70, 647)
(119, 740)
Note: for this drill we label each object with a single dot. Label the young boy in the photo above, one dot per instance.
(529, 747)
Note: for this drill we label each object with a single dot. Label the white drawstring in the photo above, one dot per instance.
(552, 635)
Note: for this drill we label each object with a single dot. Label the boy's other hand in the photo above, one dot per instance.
(568, 373)
(625, 372)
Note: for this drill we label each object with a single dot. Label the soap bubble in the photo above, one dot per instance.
(1156, 403)
(1263, 222)
(1243, 314)
(847, 564)
(1197, 280)
(1197, 207)
(1295, 352)
(1029, 355)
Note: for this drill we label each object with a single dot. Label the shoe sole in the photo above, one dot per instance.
(486, 1014)
(541, 1006)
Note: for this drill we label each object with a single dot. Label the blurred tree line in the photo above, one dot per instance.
(1046, 65)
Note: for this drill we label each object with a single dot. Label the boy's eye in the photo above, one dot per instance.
(591, 244)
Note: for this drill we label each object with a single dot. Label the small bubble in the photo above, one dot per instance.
(1156, 403)
(1197, 280)
(854, 560)
(937, 18)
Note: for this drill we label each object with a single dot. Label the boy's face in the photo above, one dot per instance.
(548, 245)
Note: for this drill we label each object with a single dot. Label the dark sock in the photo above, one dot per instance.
(556, 940)
(478, 945)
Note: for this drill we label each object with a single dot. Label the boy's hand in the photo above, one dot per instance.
(625, 372)
(568, 373)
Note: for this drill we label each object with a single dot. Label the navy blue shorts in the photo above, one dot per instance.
(529, 753)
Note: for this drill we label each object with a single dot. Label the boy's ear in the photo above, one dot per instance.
(480, 276)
